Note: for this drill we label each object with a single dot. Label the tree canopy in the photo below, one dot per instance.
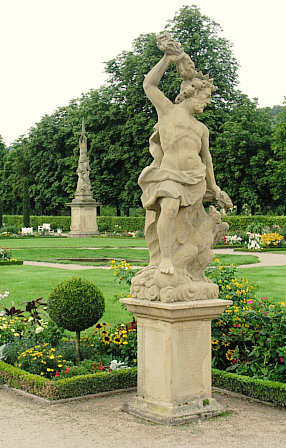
(119, 119)
(241, 153)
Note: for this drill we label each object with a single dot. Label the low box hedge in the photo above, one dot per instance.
(264, 390)
(6, 262)
(105, 223)
(75, 386)
(80, 385)
(241, 223)
(130, 223)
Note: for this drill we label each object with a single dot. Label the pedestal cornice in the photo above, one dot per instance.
(179, 311)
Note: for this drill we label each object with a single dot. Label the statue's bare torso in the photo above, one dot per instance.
(182, 142)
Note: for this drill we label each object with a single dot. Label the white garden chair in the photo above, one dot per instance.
(27, 230)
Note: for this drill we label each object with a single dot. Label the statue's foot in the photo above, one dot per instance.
(166, 266)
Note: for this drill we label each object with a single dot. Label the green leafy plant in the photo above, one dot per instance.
(249, 338)
(42, 360)
(76, 305)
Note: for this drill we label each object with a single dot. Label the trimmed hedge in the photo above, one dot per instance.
(265, 249)
(105, 223)
(96, 383)
(6, 262)
(129, 224)
(120, 223)
(20, 379)
(61, 222)
(75, 386)
(264, 390)
(240, 223)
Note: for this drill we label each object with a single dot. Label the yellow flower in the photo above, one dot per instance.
(229, 355)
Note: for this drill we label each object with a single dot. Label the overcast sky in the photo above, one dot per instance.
(53, 50)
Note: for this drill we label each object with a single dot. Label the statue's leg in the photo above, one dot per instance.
(166, 232)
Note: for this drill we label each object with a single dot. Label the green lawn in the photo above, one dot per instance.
(63, 255)
(72, 242)
(269, 281)
(30, 282)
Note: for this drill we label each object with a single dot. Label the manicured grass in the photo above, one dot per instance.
(30, 282)
(226, 260)
(269, 281)
(54, 254)
(72, 242)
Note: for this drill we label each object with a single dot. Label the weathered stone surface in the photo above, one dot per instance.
(179, 232)
(174, 359)
(83, 206)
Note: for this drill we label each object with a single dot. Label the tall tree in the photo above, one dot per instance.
(241, 155)
(2, 155)
(277, 166)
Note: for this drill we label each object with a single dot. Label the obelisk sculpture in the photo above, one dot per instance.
(173, 300)
(83, 206)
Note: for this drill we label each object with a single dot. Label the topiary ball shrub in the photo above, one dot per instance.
(76, 304)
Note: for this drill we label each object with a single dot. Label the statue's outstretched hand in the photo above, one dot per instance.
(223, 199)
(170, 47)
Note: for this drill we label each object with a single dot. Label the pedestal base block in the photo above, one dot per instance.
(174, 360)
(83, 219)
(170, 414)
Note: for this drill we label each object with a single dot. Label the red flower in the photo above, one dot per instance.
(93, 365)
(66, 370)
(100, 368)
(57, 373)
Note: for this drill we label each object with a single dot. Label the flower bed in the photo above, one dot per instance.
(249, 338)
(6, 259)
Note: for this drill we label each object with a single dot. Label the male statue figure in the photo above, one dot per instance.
(175, 185)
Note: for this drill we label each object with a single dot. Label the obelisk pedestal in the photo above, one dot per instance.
(174, 360)
(83, 218)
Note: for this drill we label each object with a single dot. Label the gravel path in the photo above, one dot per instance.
(265, 258)
(99, 422)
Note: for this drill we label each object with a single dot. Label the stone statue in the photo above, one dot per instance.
(83, 189)
(179, 232)
(83, 206)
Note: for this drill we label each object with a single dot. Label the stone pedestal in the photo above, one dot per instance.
(83, 218)
(174, 359)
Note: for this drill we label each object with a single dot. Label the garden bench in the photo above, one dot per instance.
(27, 230)
(46, 227)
